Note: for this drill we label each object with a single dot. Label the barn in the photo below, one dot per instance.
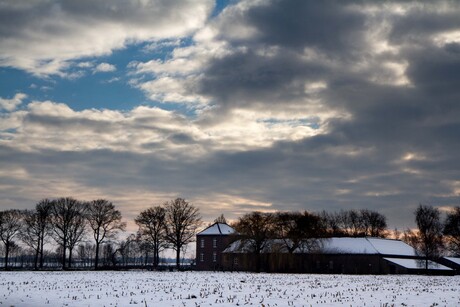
(452, 262)
(333, 255)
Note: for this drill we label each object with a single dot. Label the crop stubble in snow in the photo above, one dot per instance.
(145, 288)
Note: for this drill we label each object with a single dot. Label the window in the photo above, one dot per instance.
(214, 257)
(201, 257)
(214, 242)
(235, 261)
(202, 243)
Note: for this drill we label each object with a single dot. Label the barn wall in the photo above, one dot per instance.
(310, 263)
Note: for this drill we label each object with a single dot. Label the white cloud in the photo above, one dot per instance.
(12, 104)
(85, 64)
(51, 125)
(44, 37)
(104, 67)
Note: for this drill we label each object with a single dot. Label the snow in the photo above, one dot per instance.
(417, 264)
(218, 229)
(453, 259)
(239, 246)
(392, 247)
(245, 246)
(148, 289)
(348, 246)
(341, 246)
(368, 246)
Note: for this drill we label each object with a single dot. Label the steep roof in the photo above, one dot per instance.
(217, 229)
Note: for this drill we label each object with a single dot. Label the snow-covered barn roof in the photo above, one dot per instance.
(337, 246)
(217, 229)
(417, 264)
(455, 260)
(367, 246)
(244, 246)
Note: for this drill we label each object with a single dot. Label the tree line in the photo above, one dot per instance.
(303, 231)
(70, 223)
(90, 229)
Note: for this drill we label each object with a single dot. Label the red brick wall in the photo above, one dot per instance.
(208, 263)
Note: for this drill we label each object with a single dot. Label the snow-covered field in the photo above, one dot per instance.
(144, 288)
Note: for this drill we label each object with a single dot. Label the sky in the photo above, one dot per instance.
(235, 106)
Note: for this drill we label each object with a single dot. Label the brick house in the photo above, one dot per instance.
(210, 244)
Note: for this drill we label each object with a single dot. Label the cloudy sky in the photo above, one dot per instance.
(233, 105)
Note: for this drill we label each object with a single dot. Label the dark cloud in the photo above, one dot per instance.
(394, 145)
(246, 77)
(386, 122)
(421, 20)
(326, 25)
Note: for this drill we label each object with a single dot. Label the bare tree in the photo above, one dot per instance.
(355, 223)
(255, 229)
(10, 225)
(36, 228)
(182, 221)
(77, 228)
(452, 230)
(104, 221)
(334, 222)
(221, 219)
(374, 224)
(30, 233)
(126, 248)
(299, 230)
(67, 224)
(152, 230)
(429, 236)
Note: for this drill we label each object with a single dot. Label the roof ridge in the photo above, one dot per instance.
(373, 246)
(218, 227)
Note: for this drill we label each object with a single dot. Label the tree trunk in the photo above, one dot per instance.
(156, 257)
(70, 258)
(37, 253)
(64, 247)
(42, 243)
(96, 259)
(7, 252)
(178, 258)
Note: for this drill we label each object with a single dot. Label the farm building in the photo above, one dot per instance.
(451, 262)
(335, 256)
(209, 246)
